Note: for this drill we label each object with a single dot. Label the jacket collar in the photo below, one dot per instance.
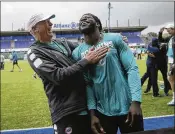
(44, 45)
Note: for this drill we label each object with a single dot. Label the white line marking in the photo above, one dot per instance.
(159, 116)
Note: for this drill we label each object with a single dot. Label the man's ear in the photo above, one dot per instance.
(35, 30)
(97, 24)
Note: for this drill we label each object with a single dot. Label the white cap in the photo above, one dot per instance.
(37, 18)
(170, 26)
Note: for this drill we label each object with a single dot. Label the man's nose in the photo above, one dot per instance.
(50, 23)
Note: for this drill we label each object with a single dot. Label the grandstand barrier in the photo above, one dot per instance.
(24, 41)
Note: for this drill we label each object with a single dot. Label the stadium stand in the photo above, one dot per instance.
(21, 40)
(134, 39)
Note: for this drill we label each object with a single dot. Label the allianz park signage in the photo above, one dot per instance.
(72, 25)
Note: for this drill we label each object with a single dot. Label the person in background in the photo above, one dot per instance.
(158, 54)
(10, 57)
(162, 66)
(139, 53)
(152, 71)
(135, 52)
(132, 50)
(171, 55)
(79, 40)
(82, 39)
(15, 61)
(2, 62)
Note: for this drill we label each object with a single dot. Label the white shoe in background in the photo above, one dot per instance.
(171, 103)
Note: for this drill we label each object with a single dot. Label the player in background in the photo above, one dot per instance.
(15, 61)
(2, 62)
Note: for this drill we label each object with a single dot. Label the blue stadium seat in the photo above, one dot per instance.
(5, 45)
(134, 39)
(26, 41)
(68, 36)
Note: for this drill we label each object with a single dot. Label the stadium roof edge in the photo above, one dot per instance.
(68, 31)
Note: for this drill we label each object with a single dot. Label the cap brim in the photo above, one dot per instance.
(52, 16)
(169, 26)
(49, 17)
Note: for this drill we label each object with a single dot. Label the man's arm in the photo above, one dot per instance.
(134, 82)
(92, 106)
(50, 71)
(153, 49)
(90, 92)
(131, 68)
(91, 99)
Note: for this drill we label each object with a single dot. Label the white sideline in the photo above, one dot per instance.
(158, 116)
(51, 126)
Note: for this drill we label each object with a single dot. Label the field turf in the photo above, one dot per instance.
(24, 103)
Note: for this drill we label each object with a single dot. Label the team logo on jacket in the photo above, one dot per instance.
(68, 130)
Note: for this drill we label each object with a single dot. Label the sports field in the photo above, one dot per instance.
(24, 104)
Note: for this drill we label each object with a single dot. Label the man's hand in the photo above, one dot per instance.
(94, 56)
(95, 124)
(135, 112)
(151, 55)
(162, 29)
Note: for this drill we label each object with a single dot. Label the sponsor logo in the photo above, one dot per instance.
(68, 130)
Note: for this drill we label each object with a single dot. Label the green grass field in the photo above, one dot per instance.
(24, 104)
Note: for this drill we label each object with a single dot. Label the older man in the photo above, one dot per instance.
(171, 54)
(62, 78)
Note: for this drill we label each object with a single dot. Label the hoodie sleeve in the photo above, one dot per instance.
(51, 71)
(129, 64)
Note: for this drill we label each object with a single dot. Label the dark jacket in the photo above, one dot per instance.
(166, 40)
(63, 79)
(153, 47)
